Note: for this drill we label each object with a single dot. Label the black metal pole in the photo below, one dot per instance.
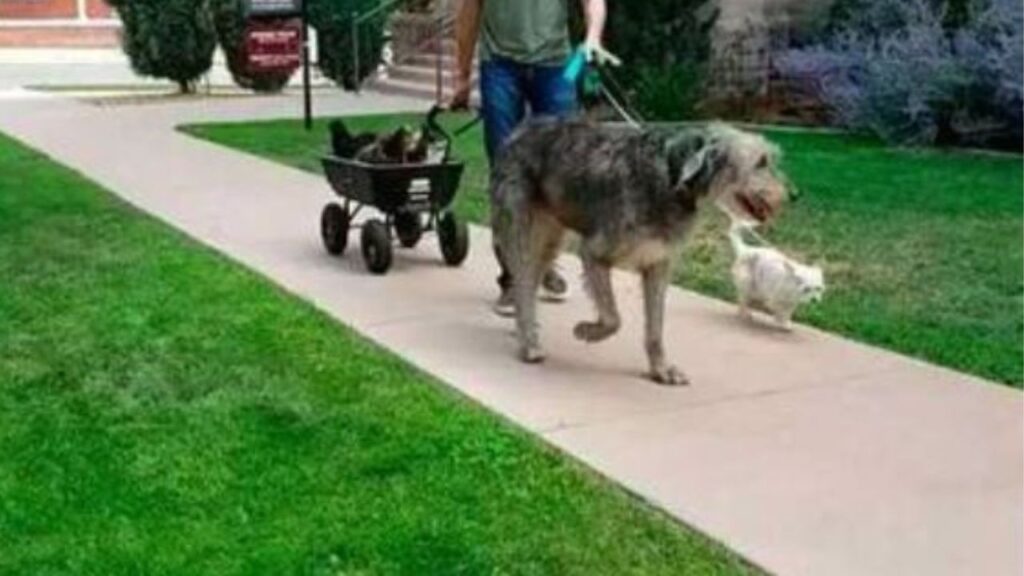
(307, 93)
(355, 51)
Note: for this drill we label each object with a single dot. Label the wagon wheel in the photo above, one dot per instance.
(334, 225)
(453, 235)
(376, 245)
(408, 228)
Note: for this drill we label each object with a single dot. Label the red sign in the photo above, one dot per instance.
(273, 46)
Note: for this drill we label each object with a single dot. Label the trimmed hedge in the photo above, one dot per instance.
(333, 22)
(172, 39)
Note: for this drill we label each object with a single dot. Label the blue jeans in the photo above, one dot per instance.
(507, 88)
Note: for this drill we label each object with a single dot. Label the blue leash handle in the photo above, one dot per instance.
(575, 66)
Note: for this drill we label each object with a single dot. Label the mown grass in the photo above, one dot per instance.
(922, 249)
(164, 411)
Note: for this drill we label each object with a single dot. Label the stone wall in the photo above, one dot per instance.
(742, 80)
(736, 14)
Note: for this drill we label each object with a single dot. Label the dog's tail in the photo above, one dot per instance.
(736, 230)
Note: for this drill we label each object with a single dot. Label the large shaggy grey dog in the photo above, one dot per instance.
(632, 196)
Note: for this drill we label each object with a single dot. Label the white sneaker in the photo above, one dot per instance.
(505, 305)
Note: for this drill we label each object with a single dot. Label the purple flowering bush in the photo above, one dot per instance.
(899, 72)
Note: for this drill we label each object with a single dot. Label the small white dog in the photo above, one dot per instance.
(771, 281)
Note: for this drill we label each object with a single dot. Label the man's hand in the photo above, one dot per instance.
(597, 54)
(460, 98)
(596, 13)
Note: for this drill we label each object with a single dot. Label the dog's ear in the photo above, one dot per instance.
(697, 163)
(394, 144)
(693, 160)
(417, 150)
(790, 269)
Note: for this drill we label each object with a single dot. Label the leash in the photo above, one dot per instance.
(596, 79)
(626, 111)
(600, 80)
(751, 230)
(619, 108)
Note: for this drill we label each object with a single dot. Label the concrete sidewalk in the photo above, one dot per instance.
(806, 453)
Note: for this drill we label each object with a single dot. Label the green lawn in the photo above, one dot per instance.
(922, 249)
(164, 411)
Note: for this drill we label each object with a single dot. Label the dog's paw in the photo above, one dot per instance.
(531, 355)
(670, 376)
(593, 331)
(784, 324)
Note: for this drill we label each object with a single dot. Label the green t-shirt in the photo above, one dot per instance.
(526, 31)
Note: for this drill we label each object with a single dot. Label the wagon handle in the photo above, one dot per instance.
(438, 109)
(432, 125)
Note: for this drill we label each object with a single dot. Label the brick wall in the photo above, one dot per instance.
(38, 9)
(98, 9)
(15, 10)
(59, 37)
(57, 24)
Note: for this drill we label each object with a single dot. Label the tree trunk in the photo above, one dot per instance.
(945, 134)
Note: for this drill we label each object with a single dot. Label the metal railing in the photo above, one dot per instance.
(442, 25)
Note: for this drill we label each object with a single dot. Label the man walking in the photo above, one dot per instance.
(524, 45)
